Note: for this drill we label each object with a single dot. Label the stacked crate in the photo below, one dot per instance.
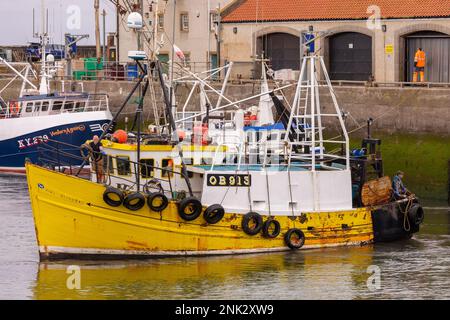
(91, 69)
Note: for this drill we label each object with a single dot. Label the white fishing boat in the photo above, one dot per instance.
(38, 115)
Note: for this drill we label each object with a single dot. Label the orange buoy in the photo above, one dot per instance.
(120, 136)
(181, 135)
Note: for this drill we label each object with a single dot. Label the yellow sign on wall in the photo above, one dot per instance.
(389, 49)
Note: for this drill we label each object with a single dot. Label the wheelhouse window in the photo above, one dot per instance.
(79, 106)
(147, 168)
(207, 161)
(29, 107)
(57, 105)
(168, 165)
(68, 106)
(44, 106)
(123, 165)
(189, 162)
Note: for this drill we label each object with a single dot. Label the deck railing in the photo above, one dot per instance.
(62, 157)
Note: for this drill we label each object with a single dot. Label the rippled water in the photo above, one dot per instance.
(418, 268)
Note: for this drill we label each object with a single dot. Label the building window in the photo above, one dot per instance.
(187, 60)
(184, 22)
(214, 19)
(160, 21)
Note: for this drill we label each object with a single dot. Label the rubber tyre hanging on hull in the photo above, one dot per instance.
(134, 201)
(161, 201)
(189, 208)
(113, 196)
(271, 228)
(294, 238)
(255, 227)
(214, 213)
(416, 214)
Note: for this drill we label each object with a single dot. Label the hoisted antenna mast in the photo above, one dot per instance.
(44, 85)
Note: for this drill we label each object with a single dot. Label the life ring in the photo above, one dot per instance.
(214, 213)
(416, 214)
(190, 208)
(134, 201)
(271, 228)
(157, 201)
(255, 227)
(113, 196)
(294, 238)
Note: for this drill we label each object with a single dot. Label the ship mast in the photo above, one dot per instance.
(44, 86)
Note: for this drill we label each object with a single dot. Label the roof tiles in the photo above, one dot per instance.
(298, 10)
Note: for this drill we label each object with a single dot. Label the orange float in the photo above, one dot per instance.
(120, 136)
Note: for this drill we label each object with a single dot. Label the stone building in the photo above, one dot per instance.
(359, 39)
(194, 26)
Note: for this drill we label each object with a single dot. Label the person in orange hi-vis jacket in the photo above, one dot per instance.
(419, 65)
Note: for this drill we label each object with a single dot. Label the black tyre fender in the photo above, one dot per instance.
(214, 213)
(271, 223)
(134, 201)
(257, 221)
(293, 243)
(157, 196)
(416, 214)
(189, 208)
(113, 196)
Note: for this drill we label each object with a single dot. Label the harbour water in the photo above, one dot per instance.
(417, 268)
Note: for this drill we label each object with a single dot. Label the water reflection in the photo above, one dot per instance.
(417, 268)
(331, 273)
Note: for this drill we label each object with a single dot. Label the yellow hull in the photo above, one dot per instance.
(72, 219)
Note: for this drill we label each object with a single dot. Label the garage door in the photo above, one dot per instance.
(437, 49)
(283, 50)
(350, 56)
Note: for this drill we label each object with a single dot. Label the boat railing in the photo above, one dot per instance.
(242, 153)
(225, 120)
(46, 106)
(62, 157)
(274, 151)
(97, 102)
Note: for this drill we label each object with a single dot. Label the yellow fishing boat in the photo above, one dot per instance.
(72, 218)
(154, 197)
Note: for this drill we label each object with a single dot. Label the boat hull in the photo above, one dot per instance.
(75, 222)
(17, 145)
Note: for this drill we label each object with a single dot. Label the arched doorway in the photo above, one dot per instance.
(350, 56)
(283, 50)
(437, 48)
